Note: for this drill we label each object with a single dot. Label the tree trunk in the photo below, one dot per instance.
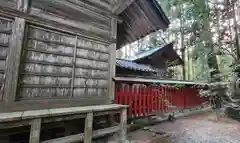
(236, 31)
(212, 58)
(182, 43)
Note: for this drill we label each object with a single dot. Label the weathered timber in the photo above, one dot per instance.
(62, 75)
(71, 10)
(77, 24)
(35, 114)
(35, 118)
(22, 5)
(101, 4)
(64, 65)
(88, 128)
(66, 54)
(112, 61)
(80, 137)
(4, 45)
(58, 86)
(55, 25)
(77, 116)
(37, 104)
(89, 7)
(14, 58)
(121, 6)
(65, 44)
(53, 64)
(123, 125)
(74, 66)
(6, 31)
(9, 3)
(35, 131)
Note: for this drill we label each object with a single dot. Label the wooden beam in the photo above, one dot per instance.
(146, 18)
(100, 4)
(112, 61)
(123, 125)
(13, 60)
(35, 131)
(121, 6)
(79, 137)
(61, 27)
(88, 128)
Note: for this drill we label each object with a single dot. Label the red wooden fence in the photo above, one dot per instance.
(144, 100)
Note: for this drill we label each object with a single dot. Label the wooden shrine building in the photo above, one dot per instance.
(152, 63)
(57, 64)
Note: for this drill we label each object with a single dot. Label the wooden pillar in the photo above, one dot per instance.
(123, 125)
(112, 60)
(88, 128)
(35, 131)
(13, 60)
(14, 54)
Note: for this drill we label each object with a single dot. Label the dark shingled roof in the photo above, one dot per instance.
(156, 55)
(133, 66)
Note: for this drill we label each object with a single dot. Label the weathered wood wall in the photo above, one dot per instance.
(5, 33)
(63, 54)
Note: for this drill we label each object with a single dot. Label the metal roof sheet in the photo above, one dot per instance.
(134, 66)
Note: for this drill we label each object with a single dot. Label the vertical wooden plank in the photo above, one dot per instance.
(123, 125)
(159, 99)
(117, 94)
(112, 60)
(140, 100)
(13, 60)
(22, 5)
(156, 100)
(126, 94)
(144, 100)
(88, 128)
(74, 65)
(166, 99)
(148, 99)
(135, 100)
(35, 131)
(164, 95)
(121, 94)
(130, 100)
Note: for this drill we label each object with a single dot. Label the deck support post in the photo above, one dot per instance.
(88, 128)
(123, 125)
(35, 131)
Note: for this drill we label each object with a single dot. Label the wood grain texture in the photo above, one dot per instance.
(9, 3)
(112, 62)
(88, 128)
(5, 33)
(35, 131)
(13, 61)
(53, 67)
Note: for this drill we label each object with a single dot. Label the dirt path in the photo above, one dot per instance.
(201, 128)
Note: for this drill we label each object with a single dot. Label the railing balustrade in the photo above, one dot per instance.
(145, 99)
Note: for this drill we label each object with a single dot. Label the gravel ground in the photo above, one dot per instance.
(200, 128)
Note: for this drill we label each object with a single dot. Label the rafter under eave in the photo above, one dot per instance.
(121, 6)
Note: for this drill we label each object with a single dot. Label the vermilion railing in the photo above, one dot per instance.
(146, 99)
